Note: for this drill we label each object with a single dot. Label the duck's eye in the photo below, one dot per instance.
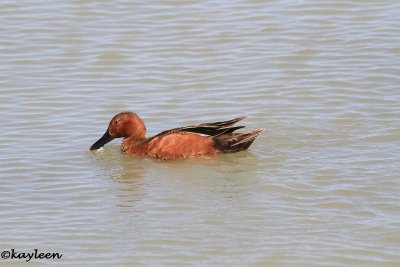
(116, 121)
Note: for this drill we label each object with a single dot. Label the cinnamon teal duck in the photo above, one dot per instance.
(184, 142)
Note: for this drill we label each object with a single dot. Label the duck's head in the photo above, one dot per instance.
(124, 124)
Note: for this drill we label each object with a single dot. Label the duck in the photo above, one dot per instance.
(205, 139)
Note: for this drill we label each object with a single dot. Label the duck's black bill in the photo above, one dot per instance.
(102, 141)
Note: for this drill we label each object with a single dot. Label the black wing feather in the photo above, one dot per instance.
(211, 129)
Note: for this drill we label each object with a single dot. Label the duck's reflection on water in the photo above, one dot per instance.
(216, 178)
(125, 173)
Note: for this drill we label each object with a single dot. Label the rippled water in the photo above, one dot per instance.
(319, 188)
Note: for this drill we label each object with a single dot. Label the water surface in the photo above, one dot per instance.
(320, 187)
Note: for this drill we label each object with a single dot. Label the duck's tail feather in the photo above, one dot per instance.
(235, 142)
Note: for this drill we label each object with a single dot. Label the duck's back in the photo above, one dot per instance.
(180, 145)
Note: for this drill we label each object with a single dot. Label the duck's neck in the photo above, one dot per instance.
(133, 144)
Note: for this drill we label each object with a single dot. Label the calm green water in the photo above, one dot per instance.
(320, 187)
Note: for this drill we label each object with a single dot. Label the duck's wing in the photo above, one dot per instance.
(214, 128)
(211, 129)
